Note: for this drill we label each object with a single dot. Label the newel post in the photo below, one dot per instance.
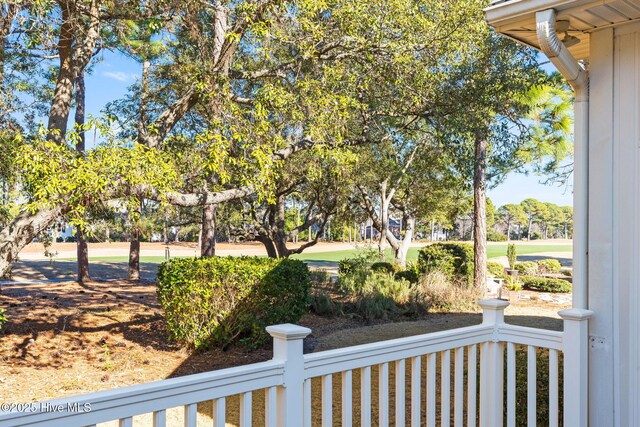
(492, 365)
(575, 342)
(287, 348)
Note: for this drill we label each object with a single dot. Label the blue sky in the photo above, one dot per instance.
(115, 73)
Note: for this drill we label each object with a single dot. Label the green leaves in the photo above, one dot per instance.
(52, 173)
(219, 301)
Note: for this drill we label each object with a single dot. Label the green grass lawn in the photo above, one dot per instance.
(494, 250)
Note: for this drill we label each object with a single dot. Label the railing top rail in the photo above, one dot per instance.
(333, 361)
(530, 336)
(144, 398)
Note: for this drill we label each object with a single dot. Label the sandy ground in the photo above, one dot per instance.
(35, 251)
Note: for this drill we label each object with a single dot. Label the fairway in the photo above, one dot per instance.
(493, 251)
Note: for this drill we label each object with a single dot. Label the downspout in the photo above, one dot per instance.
(578, 78)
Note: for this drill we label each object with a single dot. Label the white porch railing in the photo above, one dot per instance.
(453, 377)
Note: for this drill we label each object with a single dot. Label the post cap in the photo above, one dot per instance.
(575, 314)
(493, 304)
(288, 331)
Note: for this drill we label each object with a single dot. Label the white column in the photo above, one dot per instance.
(575, 343)
(287, 347)
(492, 366)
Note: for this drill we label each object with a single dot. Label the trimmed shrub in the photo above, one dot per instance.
(363, 260)
(549, 265)
(527, 268)
(385, 267)
(494, 236)
(511, 255)
(496, 269)
(566, 272)
(221, 300)
(544, 284)
(455, 260)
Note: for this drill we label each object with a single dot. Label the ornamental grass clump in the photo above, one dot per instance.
(223, 300)
(443, 295)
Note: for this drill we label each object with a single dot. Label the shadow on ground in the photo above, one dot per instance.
(67, 270)
(565, 261)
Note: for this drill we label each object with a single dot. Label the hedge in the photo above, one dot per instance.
(549, 265)
(453, 259)
(527, 268)
(222, 300)
(543, 284)
(496, 269)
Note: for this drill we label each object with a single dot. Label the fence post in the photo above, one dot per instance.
(491, 365)
(575, 342)
(287, 347)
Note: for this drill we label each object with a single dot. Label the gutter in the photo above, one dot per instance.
(500, 13)
(578, 78)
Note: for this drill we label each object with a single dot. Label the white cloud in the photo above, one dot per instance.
(118, 75)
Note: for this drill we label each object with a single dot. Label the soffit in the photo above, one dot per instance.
(516, 18)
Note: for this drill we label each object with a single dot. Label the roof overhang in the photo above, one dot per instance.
(517, 18)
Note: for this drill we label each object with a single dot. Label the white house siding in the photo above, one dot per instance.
(614, 227)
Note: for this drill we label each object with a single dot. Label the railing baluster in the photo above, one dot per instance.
(190, 415)
(458, 391)
(327, 401)
(553, 388)
(416, 375)
(160, 418)
(511, 385)
(472, 360)
(126, 422)
(219, 412)
(306, 401)
(485, 410)
(347, 399)
(531, 386)
(383, 395)
(400, 380)
(365, 396)
(445, 388)
(246, 402)
(271, 412)
(431, 390)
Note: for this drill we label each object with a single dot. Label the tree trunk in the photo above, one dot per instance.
(134, 249)
(508, 231)
(268, 245)
(134, 255)
(480, 214)
(83, 256)
(21, 231)
(81, 243)
(208, 235)
(401, 249)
